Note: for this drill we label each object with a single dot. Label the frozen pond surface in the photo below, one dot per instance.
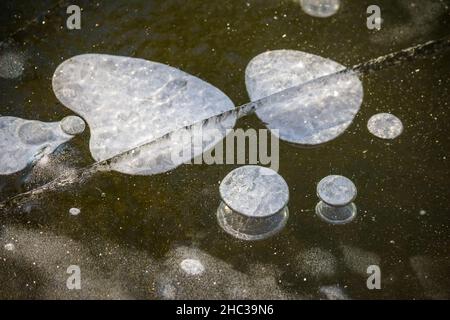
(134, 232)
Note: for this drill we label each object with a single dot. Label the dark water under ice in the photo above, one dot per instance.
(132, 232)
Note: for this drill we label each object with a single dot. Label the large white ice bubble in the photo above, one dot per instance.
(128, 102)
(25, 141)
(319, 111)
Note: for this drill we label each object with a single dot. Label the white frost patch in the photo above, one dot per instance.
(9, 247)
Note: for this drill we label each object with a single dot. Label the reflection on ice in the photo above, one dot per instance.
(316, 113)
(128, 102)
(410, 20)
(25, 141)
(9, 247)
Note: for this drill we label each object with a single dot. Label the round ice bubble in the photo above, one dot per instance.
(73, 125)
(336, 190)
(385, 126)
(336, 215)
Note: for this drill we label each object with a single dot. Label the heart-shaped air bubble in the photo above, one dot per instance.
(128, 102)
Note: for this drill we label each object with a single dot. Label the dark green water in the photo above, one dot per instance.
(124, 237)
